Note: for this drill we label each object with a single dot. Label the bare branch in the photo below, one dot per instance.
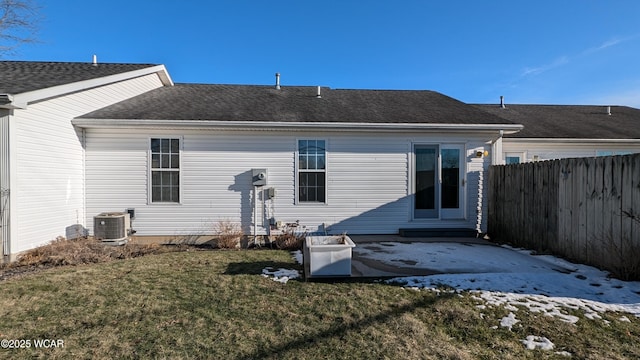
(18, 24)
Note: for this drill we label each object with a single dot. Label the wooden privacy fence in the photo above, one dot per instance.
(584, 209)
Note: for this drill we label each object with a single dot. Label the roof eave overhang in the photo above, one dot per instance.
(285, 125)
(7, 101)
(20, 101)
(570, 140)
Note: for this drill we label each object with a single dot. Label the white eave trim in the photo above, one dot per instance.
(282, 125)
(7, 102)
(569, 140)
(21, 100)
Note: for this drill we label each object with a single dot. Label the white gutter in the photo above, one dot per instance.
(20, 101)
(570, 140)
(283, 125)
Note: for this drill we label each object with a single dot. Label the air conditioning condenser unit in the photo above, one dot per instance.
(112, 228)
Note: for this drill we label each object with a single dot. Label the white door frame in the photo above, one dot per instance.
(439, 213)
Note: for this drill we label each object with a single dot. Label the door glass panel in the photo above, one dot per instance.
(426, 180)
(450, 178)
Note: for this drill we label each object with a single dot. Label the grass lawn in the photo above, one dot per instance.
(217, 305)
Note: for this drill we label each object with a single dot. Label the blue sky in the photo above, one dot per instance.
(546, 52)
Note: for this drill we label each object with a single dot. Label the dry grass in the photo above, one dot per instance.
(216, 304)
(228, 234)
(61, 252)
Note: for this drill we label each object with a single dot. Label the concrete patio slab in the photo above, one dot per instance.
(363, 239)
(395, 256)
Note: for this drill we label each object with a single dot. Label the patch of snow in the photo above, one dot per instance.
(514, 278)
(592, 316)
(534, 303)
(511, 308)
(280, 275)
(624, 319)
(538, 342)
(508, 321)
(563, 353)
(297, 256)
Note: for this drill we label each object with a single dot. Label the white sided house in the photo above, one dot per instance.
(81, 139)
(187, 156)
(566, 131)
(42, 154)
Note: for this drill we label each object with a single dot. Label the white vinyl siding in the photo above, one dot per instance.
(367, 185)
(48, 183)
(538, 150)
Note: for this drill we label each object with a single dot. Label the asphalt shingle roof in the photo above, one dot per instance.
(294, 104)
(22, 76)
(570, 121)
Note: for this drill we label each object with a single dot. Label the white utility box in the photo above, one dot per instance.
(327, 256)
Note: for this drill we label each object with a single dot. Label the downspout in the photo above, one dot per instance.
(84, 180)
(496, 159)
(4, 224)
(496, 149)
(255, 215)
(5, 184)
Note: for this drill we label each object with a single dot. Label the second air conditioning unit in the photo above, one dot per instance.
(112, 228)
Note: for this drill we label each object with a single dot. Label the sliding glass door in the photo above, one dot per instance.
(438, 181)
(426, 179)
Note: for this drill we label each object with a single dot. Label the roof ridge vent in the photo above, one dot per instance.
(277, 81)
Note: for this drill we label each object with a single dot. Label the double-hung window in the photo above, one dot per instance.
(165, 170)
(312, 171)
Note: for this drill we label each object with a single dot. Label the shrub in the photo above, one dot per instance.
(290, 239)
(228, 234)
(82, 251)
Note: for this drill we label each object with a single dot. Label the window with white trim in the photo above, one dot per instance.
(312, 171)
(513, 158)
(165, 170)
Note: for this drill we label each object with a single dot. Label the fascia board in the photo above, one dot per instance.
(274, 125)
(569, 140)
(21, 100)
(7, 101)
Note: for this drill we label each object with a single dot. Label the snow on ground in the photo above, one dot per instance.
(509, 320)
(538, 342)
(280, 275)
(297, 256)
(284, 275)
(514, 278)
(503, 276)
